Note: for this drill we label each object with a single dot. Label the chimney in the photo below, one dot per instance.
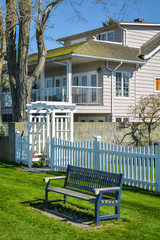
(140, 20)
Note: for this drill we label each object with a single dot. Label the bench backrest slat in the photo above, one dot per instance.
(88, 179)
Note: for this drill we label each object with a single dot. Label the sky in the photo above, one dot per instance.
(62, 22)
(94, 14)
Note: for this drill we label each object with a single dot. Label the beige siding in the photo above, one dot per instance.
(138, 35)
(118, 37)
(121, 105)
(145, 77)
(107, 90)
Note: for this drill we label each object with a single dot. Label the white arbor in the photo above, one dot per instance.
(45, 121)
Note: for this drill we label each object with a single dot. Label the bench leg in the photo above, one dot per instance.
(65, 199)
(96, 213)
(117, 211)
(46, 198)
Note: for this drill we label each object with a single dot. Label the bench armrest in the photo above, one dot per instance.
(108, 189)
(47, 179)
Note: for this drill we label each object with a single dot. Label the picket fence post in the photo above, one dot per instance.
(16, 145)
(29, 151)
(52, 154)
(157, 167)
(96, 155)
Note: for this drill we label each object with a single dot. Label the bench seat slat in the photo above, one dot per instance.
(80, 195)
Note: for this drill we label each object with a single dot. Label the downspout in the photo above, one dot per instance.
(112, 72)
(125, 30)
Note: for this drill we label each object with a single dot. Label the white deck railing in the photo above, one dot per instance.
(86, 95)
(80, 95)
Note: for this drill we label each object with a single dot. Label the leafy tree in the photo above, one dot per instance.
(147, 111)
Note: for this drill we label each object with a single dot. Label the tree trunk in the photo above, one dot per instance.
(2, 52)
(20, 82)
(11, 50)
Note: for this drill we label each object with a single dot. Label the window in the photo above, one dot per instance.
(125, 119)
(75, 81)
(106, 36)
(122, 84)
(65, 82)
(157, 85)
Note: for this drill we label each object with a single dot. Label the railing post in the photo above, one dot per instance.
(96, 155)
(157, 167)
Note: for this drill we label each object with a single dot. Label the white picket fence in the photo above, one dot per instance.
(21, 148)
(140, 165)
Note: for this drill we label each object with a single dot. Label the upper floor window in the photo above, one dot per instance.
(122, 84)
(157, 84)
(106, 36)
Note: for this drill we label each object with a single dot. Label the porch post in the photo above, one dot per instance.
(69, 81)
(42, 84)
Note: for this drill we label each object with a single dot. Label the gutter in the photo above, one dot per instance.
(146, 57)
(108, 59)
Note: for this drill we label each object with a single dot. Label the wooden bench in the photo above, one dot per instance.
(98, 187)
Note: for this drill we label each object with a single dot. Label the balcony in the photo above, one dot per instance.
(87, 95)
(58, 94)
(80, 95)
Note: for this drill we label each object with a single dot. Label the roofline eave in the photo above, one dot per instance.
(63, 57)
(108, 59)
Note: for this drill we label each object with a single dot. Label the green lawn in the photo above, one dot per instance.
(22, 192)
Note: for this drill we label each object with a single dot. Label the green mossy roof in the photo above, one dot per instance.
(108, 50)
(56, 52)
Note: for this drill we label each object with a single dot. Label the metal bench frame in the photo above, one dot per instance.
(99, 187)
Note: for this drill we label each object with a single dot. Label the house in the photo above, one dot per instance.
(103, 71)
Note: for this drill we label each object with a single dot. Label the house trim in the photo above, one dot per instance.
(108, 59)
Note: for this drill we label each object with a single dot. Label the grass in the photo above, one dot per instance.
(21, 193)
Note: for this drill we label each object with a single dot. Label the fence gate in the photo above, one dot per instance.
(45, 121)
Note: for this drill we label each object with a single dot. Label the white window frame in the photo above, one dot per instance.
(89, 119)
(100, 36)
(122, 118)
(122, 90)
(88, 74)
